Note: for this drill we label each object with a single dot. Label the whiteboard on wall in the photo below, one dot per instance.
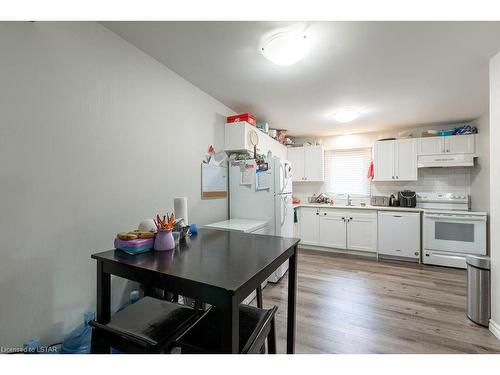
(213, 181)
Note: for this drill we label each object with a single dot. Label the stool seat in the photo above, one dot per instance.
(204, 336)
(149, 323)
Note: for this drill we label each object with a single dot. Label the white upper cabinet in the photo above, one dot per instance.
(454, 144)
(384, 160)
(406, 160)
(313, 163)
(460, 144)
(296, 157)
(307, 163)
(237, 137)
(431, 145)
(395, 160)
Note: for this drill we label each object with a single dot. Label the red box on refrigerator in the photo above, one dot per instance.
(248, 117)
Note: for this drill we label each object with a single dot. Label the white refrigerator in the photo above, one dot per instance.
(263, 195)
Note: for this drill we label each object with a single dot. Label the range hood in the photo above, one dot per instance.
(448, 160)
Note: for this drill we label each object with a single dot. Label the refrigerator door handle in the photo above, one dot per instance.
(283, 178)
(285, 210)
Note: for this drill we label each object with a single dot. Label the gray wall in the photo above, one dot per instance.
(495, 187)
(94, 137)
(480, 174)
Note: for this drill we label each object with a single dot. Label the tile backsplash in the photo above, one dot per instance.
(453, 180)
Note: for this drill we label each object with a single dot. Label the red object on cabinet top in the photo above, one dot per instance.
(248, 117)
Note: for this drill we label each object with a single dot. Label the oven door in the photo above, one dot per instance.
(458, 233)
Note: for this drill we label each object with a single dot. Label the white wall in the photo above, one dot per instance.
(495, 187)
(480, 174)
(94, 137)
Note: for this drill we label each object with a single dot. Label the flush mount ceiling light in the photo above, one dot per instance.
(346, 115)
(285, 47)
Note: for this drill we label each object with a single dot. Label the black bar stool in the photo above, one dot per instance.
(148, 326)
(256, 325)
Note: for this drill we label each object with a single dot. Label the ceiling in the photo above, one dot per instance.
(397, 74)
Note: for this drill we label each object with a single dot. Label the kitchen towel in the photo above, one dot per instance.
(371, 171)
(181, 208)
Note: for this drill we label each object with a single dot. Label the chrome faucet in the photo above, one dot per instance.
(349, 200)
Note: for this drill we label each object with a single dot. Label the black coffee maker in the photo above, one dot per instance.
(407, 198)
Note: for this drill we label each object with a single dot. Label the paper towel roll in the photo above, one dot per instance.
(181, 208)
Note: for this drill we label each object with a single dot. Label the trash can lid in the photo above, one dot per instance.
(479, 262)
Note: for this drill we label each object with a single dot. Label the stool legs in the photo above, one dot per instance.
(271, 338)
(98, 344)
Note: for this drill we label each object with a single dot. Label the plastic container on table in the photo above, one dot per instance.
(134, 246)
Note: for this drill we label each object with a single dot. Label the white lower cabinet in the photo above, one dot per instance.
(332, 229)
(362, 231)
(399, 234)
(309, 225)
(339, 229)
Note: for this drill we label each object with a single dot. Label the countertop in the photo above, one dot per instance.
(367, 207)
(238, 225)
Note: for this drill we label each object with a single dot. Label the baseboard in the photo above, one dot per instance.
(330, 250)
(494, 328)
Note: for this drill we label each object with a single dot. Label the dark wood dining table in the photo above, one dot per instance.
(217, 267)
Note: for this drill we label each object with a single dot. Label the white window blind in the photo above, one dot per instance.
(346, 171)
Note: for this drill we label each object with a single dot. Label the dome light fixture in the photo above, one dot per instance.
(285, 47)
(346, 115)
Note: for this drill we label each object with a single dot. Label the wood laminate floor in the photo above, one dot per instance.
(355, 305)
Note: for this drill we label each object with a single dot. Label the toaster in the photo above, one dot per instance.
(379, 200)
(407, 198)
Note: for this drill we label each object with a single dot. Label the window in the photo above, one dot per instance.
(346, 171)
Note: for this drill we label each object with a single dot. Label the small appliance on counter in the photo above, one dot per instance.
(407, 198)
(379, 200)
(393, 201)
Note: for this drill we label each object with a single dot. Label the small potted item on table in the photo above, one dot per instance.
(164, 239)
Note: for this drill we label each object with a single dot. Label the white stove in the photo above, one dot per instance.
(450, 230)
(443, 201)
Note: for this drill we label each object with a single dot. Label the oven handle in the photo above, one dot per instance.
(467, 218)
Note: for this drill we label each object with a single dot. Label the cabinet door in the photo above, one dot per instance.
(362, 232)
(406, 160)
(384, 161)
(313, 163)
(296, 157)
(332, 227)
(431, 146)
(309, 226)
(460, 144)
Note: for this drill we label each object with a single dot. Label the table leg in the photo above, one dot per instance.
(230, 322)
(99, 344)
(292, 292)
(258, 292)
(103, 294)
